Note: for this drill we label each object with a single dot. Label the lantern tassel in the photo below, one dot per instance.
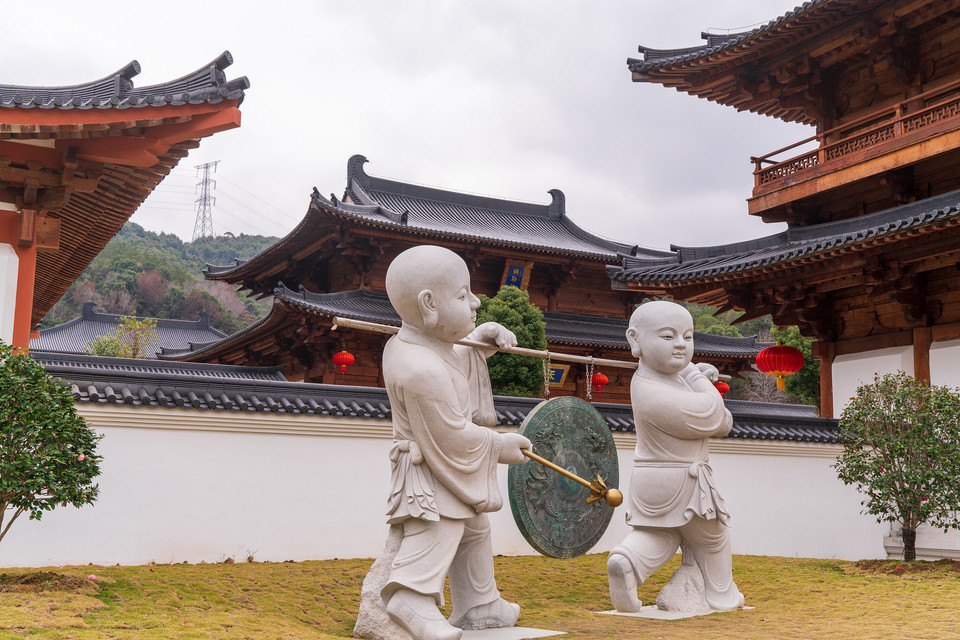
(781, 383)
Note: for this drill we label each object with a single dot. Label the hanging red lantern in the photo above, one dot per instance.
(780, 360)
(598, 381)
(722, 387)
(343, 359)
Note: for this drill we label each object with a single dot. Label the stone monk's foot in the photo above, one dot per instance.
(729, 601)
(492, 615)
(418, 614)
(623, 585)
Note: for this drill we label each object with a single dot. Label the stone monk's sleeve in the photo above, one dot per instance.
(461, 454)
(481, 391)
(689, 414)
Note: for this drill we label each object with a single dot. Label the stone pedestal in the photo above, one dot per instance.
(373, 623)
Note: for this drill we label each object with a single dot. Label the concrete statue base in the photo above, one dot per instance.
(652, 612)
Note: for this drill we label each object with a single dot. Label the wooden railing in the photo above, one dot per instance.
(942, 104)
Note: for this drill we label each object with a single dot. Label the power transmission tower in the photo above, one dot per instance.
(204, 224)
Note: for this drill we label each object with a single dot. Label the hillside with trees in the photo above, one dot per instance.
(142, 273)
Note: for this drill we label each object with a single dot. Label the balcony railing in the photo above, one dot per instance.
(942, 105)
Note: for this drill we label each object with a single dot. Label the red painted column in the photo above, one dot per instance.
(26, 277)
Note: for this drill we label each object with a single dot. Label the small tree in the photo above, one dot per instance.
(901, 448)
(47, 452)
(107, 345)
(131, 340)
(511, 374)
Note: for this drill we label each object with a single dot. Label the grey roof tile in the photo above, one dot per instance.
(689, 263)
(75, 335)
(659, 58)
(208, 84)
(206, 387)
(449, 213)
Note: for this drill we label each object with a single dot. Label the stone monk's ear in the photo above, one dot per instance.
(634, 341)
(428, 308)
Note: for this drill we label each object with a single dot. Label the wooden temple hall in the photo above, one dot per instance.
(870, 263)
(76, 162)
(334, 264)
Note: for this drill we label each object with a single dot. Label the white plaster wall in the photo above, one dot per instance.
(851, 371)
(788, 501)
(945, 363)
(184, 485)
(9, 263)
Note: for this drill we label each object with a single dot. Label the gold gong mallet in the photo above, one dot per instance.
(598, 488)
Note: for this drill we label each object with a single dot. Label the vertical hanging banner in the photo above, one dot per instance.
(516, 273)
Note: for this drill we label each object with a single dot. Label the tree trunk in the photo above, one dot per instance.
(909, 544)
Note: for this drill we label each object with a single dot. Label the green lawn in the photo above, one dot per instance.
(793, 598)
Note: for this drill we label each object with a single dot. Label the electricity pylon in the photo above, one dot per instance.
(204, 224)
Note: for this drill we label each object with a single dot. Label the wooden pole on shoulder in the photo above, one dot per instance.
(534, 353)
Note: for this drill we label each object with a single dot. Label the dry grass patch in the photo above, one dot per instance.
(793, 598)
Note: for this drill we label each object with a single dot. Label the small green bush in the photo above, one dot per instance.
(511, 374)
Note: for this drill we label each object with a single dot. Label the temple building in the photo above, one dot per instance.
(77, 161)
(76, 335)
(334, 264)
(868, 263)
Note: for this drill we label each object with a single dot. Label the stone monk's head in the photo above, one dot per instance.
(661, 336)
(429, 287)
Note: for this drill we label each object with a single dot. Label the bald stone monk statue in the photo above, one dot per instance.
(673, 497)
(444, 457)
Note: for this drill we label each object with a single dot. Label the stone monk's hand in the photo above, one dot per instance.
(510, 448)
(495, 333)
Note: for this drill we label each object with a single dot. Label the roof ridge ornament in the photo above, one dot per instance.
(355, 170)
(558, 205)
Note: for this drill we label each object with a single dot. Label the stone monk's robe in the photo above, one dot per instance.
(444, 472)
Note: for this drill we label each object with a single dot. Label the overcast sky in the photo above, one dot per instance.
(507, 98)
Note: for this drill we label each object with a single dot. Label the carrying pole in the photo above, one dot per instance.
(363, 325)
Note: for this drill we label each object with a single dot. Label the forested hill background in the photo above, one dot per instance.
(144, 273)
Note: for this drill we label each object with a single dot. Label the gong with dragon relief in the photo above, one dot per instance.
(550, 509)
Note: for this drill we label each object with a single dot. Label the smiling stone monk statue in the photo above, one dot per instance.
(673, 497)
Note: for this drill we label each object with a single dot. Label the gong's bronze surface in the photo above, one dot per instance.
(550, 509)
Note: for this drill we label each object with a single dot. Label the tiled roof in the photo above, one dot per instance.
(716, 43)
(561, 328)
(425, 213)
(207, 84)
(568, 328)
(449, 213)
(807, 244)
(139, 383)
(75, 335)
(730, 68)
(154, 127)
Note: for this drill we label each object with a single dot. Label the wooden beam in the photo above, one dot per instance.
(922, 339)
(873, 343)
(48, 234)
(27, 233)
(826, 352)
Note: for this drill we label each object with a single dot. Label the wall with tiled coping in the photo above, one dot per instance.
(185, 485)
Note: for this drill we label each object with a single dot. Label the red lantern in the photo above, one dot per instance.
(343, 360)
(780, 360)
(598, 380)
(722, 387)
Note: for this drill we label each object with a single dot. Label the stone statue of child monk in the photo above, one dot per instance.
(444, 458)
(673, 498)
